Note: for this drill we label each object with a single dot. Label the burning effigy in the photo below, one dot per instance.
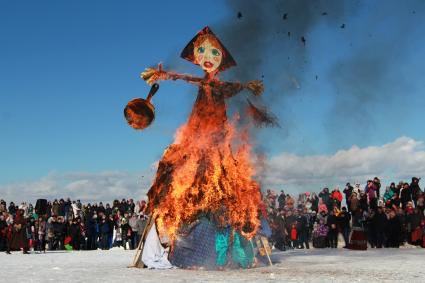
(204, 203)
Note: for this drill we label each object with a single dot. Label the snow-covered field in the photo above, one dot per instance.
(326, 265)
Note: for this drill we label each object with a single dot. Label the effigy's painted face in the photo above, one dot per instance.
(208, 56)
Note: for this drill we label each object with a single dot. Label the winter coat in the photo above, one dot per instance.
(126, 231)
(75, 209)
(354, 203)
(58, 229)
(281, 200)
(393, 228)
(55, 208)
(12, 209)
(344, 220)
(19, 234)
(348, 191)
(326, 197)
(332, 222)
(294, 235)
(104, 227)
(123, 207)
(289, 220)
(67, 205)
(405, 195)
(280, 225)
(75, 230)
(322, 218)
(379, 221)
(133, 223)
(41, 229)
(3, 229)
(314, 203)
(91, 227)
(377, 186)
(336, 195)
(388, 195)
(140, 226)
(371, 192)
(415, 190)
(108, 211)
(131, 207)
(61, 209)
(420, 203)
(413, 220)
(302, 224)
(321, 230)
(363, 203)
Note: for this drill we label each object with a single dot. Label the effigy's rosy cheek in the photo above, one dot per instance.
(216, 59)
(200, 57)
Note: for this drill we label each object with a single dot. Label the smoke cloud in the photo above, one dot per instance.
(275, 40)
(270, 40)
(368, 81)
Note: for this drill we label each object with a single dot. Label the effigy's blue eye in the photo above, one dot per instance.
(215, 52)
(201, 49)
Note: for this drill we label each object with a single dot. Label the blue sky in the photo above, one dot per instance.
(68, 68)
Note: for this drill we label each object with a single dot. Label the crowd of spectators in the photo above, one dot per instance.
(387, 218)
(65, 224)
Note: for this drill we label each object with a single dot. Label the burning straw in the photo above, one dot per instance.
(261, 116)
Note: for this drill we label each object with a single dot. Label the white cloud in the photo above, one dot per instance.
(88, 187)
(398, 160)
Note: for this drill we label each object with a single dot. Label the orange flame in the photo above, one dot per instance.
(207, 169)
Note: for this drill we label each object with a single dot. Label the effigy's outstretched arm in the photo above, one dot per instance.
(230, 89)
(256, 87)
(152, 75)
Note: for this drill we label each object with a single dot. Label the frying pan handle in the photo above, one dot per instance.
(153, 90)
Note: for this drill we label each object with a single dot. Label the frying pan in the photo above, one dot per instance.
(140, 112)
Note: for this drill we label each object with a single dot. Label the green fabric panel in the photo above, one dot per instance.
(242, 251)
(221, 247)
(238, 253)
(249, 251)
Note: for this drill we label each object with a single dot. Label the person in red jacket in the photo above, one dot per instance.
(336, 196)
(294, 235)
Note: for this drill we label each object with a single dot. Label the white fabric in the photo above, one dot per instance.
(154, 255)
(75, 209)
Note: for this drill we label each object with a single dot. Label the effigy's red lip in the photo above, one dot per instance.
(208, 64)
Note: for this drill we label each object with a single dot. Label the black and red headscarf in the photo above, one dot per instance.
(187, 52)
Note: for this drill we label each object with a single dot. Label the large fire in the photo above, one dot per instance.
(208, 175)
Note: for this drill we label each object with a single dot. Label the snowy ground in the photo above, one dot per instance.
(325, 265)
